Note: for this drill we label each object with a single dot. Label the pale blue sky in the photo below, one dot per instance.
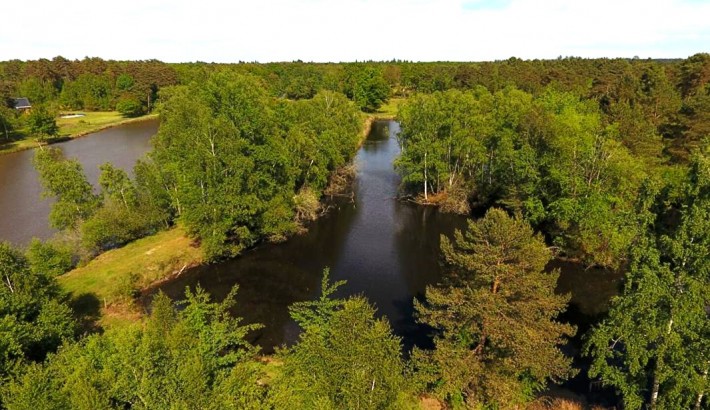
(348, 30)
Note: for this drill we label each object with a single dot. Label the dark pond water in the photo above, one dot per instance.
(23, 214)
(387, 250)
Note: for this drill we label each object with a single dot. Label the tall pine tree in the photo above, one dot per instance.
(496, 340)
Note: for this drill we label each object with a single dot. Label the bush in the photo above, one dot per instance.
(125, 289)
(49, 258)
(114, 225)
(42, 122)
(130, 106)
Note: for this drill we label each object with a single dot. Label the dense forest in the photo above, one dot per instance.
(603, 161)
(648, 99)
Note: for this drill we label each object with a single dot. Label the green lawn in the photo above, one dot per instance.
(389, 110)
(18, 142)
(94, 121)
(111, 278)
(70, 128)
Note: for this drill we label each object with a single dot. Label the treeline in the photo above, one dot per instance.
(654, 345)
(571, 158)
(90, 84)
(237, 166)
(601, 190)
(665, 98)
(668, 99)
(605, 157)
(550, 157)
(230, 163)
(125, 209)
(194, 355)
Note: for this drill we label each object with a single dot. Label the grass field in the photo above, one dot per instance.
(71, 128)
(94, 121)
(113, 278)
(389, 110)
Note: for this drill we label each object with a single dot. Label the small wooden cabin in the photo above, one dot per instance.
(22, 104)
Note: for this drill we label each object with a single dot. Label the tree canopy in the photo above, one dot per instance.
(344, 359)
(654, 346)
(496, 340)
(235, 158)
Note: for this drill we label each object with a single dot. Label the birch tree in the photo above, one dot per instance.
(654, 346)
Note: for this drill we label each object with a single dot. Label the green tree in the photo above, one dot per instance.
(64, 179)
(38, 91)
(591, 179)
(124, 82)
(344, 359)
(116, 186)
(34, 320)
(366, 86)
(154, 190)
(496, 337)
(230, 168)
(231, 159)
(323, 134)
(7, 120)
(654, 346)
(88, 91)
(129, 106)
(50, 258)
(194, 358)
(124, 215)
(42, 122)
(549, 157)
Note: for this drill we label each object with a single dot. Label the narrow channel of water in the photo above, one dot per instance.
(24, 214)
(385, 249)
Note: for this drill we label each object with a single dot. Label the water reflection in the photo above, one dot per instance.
(24, 214)
(385, 249)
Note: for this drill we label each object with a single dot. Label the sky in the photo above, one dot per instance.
(352, 30)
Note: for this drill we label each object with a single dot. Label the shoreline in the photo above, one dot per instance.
(151, 287)
(103, 127)
(171, 269)
(64, 138)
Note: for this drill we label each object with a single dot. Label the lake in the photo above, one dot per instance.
(25, 214)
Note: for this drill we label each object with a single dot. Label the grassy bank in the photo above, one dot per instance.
(95, 121)
(71, 128)
(389, 110)
(106, 288)
(108, 284)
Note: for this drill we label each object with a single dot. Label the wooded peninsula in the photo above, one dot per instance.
(601, 162)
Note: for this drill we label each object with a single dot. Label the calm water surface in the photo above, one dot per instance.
(24, 214)
(385, 249)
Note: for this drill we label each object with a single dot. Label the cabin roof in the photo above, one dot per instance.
(21, 103)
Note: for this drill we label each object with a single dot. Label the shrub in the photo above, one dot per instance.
(50, 258)
(129, 106)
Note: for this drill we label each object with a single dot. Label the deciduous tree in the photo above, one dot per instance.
(64, 179)
(654, 346)
(34, 320)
